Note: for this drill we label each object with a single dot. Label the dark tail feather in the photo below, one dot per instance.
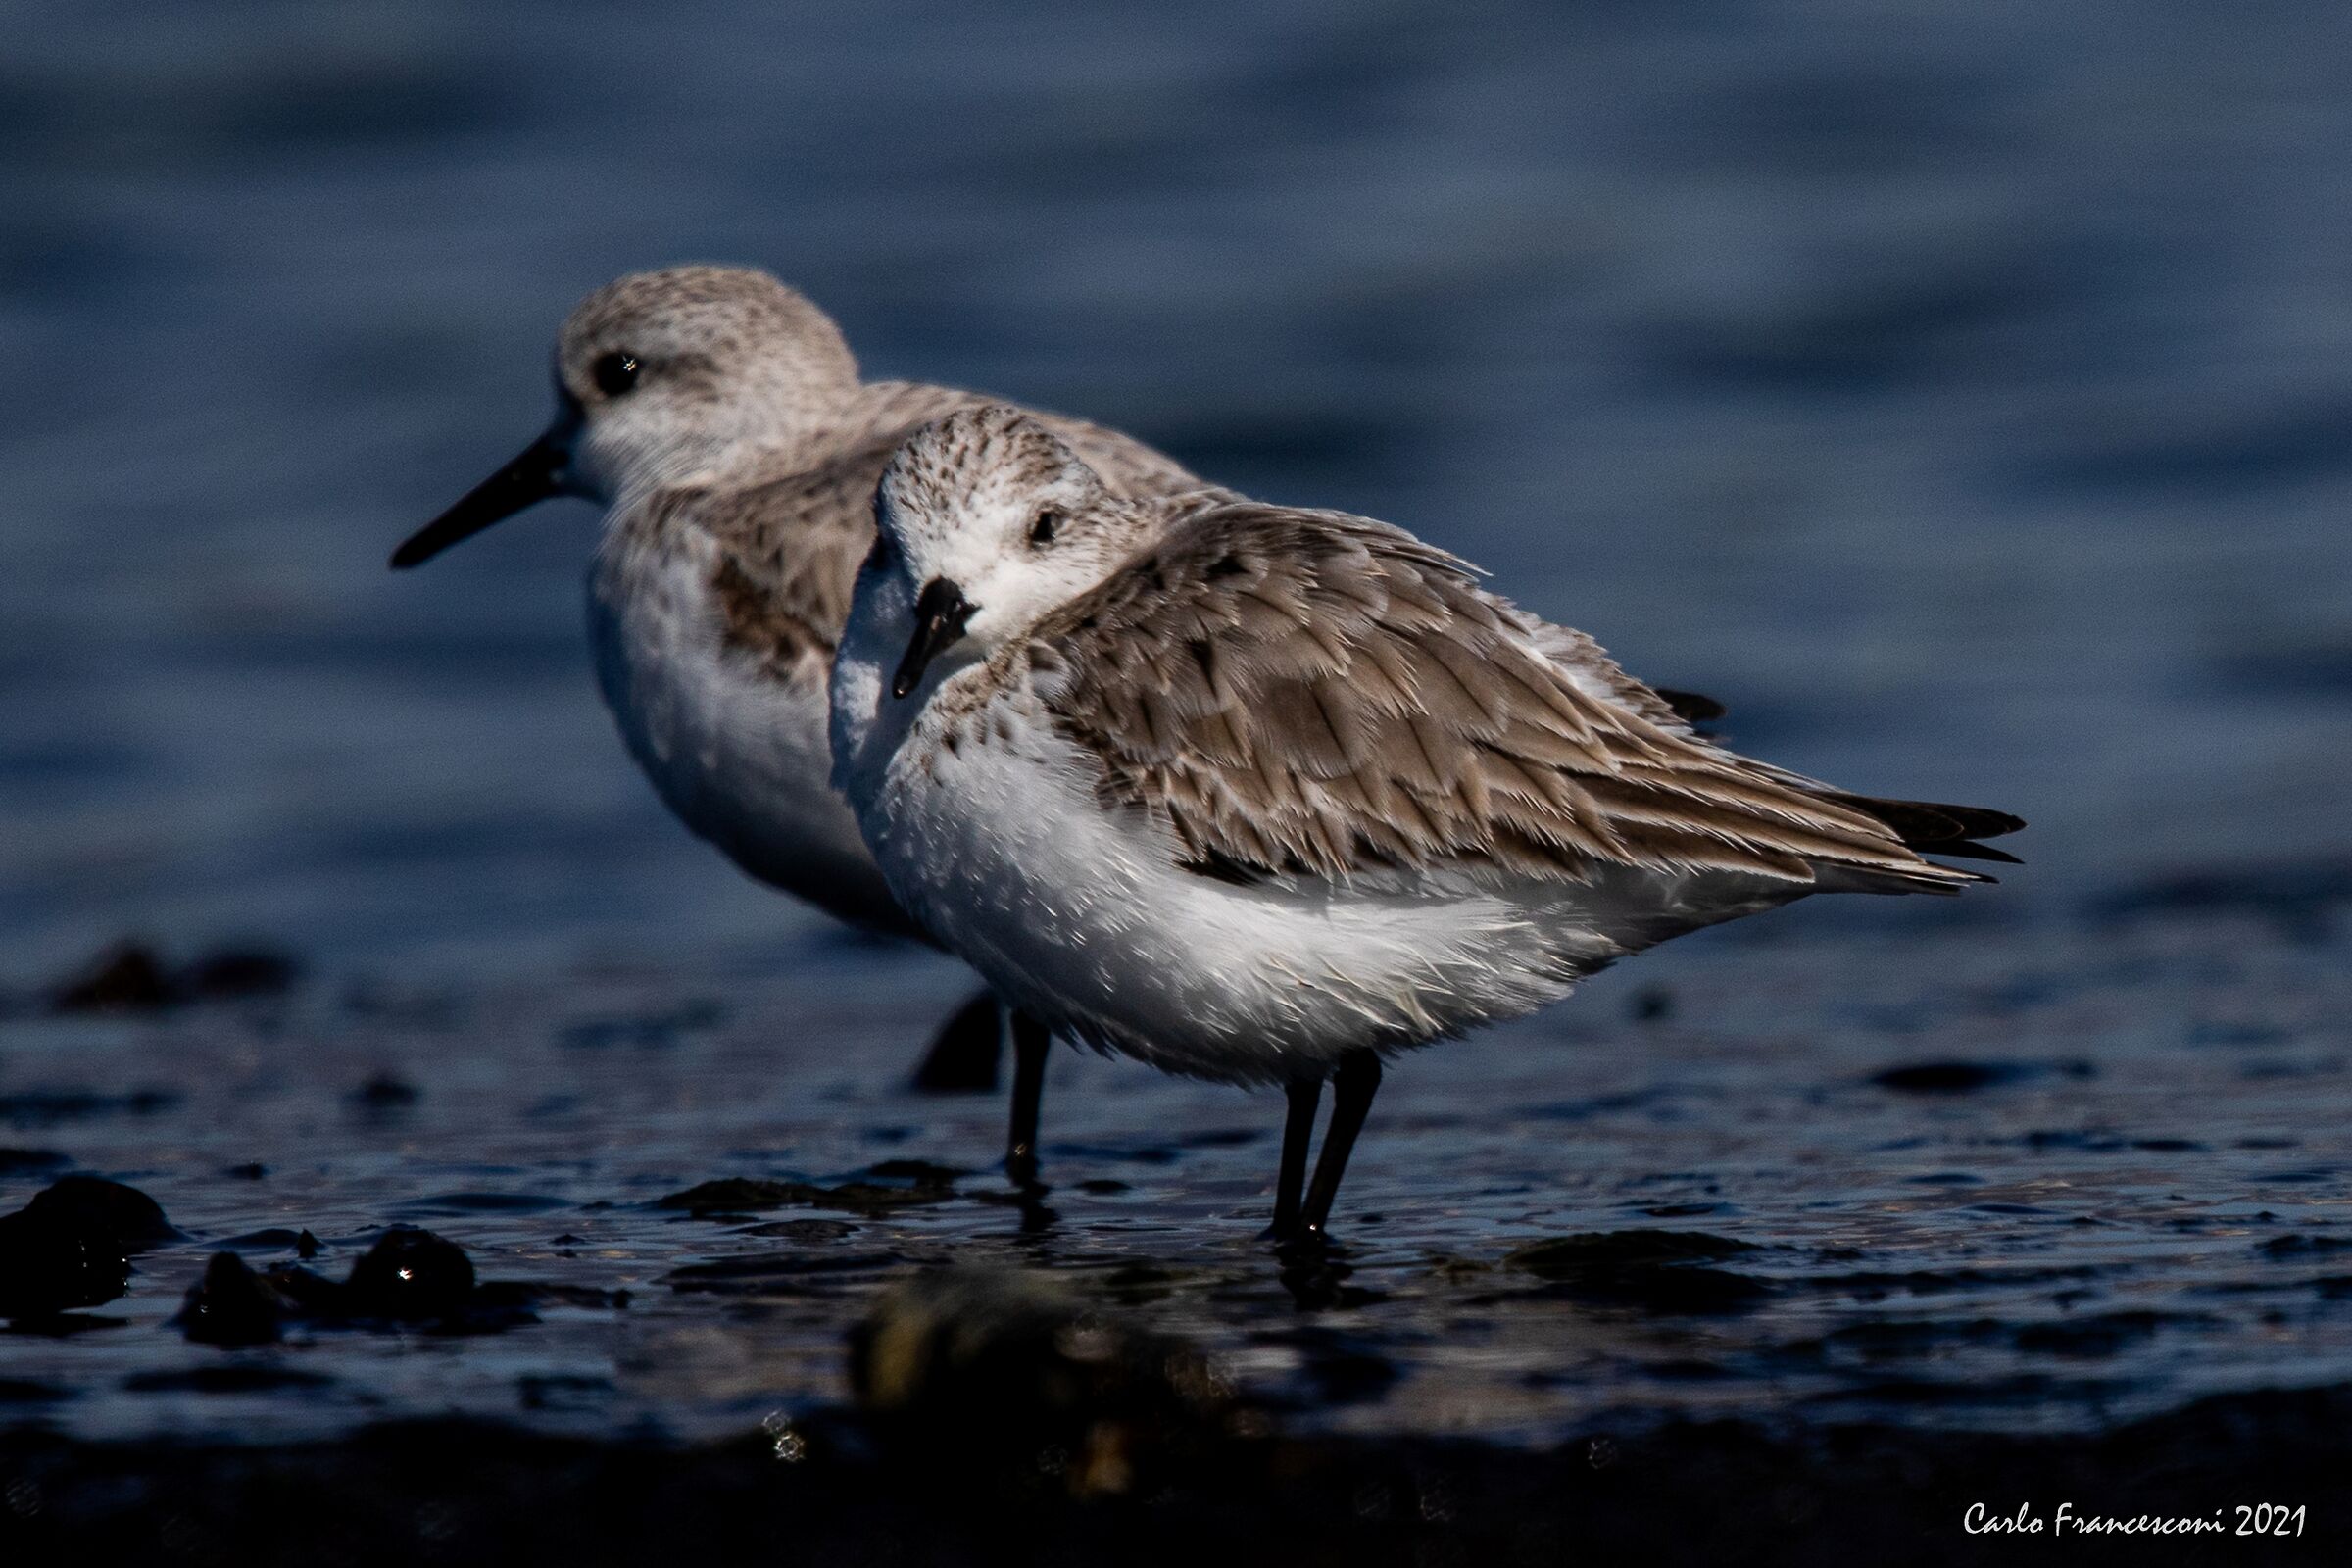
(1690, 706)
(1935, 829)
(1970, 850)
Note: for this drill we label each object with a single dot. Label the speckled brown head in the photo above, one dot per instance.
(662, 377)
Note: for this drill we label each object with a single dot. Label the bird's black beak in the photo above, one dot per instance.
(541, 469)
(940, 613)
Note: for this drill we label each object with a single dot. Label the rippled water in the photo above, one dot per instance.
(1970, 1179)
(1964, 401)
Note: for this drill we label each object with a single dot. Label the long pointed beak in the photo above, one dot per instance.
(541, 469)
(940, 611)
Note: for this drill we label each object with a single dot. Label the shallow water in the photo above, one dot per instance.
(1963, 402)
(2000, 1179)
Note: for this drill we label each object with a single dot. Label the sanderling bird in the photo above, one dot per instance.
(720, 420)
(1265, 796)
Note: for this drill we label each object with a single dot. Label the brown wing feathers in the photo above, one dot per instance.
(1308, 693)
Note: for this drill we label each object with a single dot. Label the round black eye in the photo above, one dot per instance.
(615, 372)
(1046, 526)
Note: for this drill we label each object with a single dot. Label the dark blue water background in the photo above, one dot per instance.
(1961, 391)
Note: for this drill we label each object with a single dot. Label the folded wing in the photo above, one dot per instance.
(1311, 695)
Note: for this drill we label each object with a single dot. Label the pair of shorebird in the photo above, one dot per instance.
(1247, 791)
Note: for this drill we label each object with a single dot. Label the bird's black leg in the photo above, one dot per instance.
(1351, 1090)
(1305, 1094)
(964, 1053)
(1029, 1041)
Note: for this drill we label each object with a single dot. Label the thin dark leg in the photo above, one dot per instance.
(1305, 1094)
(1029, 1041)
(1351, 1090)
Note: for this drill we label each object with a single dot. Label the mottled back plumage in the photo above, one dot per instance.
(1307, 694)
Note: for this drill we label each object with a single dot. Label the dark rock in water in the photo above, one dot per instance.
(739, 1194)
(234, 973)
(1001, 1381)
(1945, 1077)
(871, 1198)
(2297, 1245)
(384, 1091)
(1962, 1077)
(132, 977)
(231, 1305)
(413, 1278)
(1659, 1271)
(92, 1203)
(270, 1236)
(409, 1277)
(47, 1268)
(307, 1293)
(1566, 1255)
(126, 978)
(71, 1245)
(253, 1170)
(730, 1195)
(964, 1054)
(921, 1173)
(410, 1274)
(1652, 1004)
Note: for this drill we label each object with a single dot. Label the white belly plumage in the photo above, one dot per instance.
(1080, 917)
(738, 754)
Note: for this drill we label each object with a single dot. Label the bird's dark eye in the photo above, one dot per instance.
(1046, 526)
(615, 372)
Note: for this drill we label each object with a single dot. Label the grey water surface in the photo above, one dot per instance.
(1962, 392)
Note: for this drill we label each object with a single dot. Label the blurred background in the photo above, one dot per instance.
(1961, 391)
